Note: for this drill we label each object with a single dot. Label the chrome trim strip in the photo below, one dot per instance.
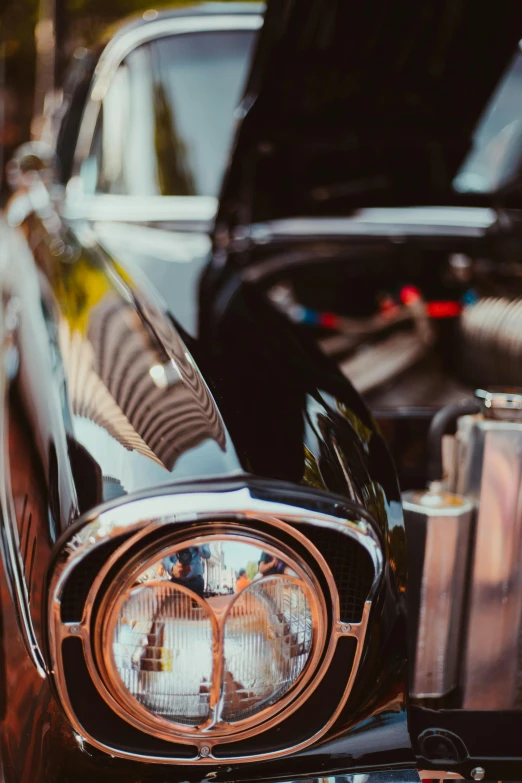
(190, 506)
(388, 775)
(169, 245)
(117, 49)
(376, 221)
(365, 225)
(9, 541)
(105, 207)
(139, 516)
(127, 40)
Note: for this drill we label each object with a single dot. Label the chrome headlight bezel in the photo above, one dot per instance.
(135, 522)
(101, 657)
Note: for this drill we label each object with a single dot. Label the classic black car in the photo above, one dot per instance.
(140, 139)
(367, 236)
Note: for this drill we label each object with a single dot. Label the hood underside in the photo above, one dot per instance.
(353, 105)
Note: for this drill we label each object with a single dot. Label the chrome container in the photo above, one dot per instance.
(489, 473)
(438, 526)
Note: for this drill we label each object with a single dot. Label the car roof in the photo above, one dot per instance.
(135, 21)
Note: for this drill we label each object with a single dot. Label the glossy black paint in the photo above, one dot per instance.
(86, 338)
(495, 749)
(103, 400)
(352, 106)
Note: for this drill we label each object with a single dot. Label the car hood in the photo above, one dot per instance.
(354, 105)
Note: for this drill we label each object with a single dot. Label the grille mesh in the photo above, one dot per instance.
(351, 567)
(77, 587)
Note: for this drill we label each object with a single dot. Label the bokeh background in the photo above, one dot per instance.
(37, 40)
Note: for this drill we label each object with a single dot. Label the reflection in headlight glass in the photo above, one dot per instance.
(163, 653)
(224, 617)
(268, 638)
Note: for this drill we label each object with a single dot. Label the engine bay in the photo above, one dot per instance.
(414, 329)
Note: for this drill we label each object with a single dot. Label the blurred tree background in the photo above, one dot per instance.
(77, 23)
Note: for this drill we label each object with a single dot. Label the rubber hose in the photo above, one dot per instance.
(442, 423)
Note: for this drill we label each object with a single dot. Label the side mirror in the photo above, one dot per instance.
(34, 157)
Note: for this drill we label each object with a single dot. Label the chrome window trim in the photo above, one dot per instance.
(122, 44)
(106, 207)
(237, 505)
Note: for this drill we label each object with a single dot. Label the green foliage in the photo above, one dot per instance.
(114, 8)
(251, 569)
(17, 52)
(83, 22)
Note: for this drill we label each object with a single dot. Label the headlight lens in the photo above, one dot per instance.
(268, 640)
(212, 634)
(162, 648)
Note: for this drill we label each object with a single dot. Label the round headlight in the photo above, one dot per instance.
(267, 644)
(162, 650)
(211, 635)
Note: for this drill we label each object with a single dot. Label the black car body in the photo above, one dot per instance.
(126, 426)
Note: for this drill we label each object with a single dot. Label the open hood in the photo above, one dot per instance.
(359, 104)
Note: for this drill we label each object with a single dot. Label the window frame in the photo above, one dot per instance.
(202, 207)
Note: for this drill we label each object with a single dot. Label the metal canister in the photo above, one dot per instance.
(438, 528)
(489, 472)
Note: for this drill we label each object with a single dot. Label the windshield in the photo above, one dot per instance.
(496, 155)
(166, 121)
